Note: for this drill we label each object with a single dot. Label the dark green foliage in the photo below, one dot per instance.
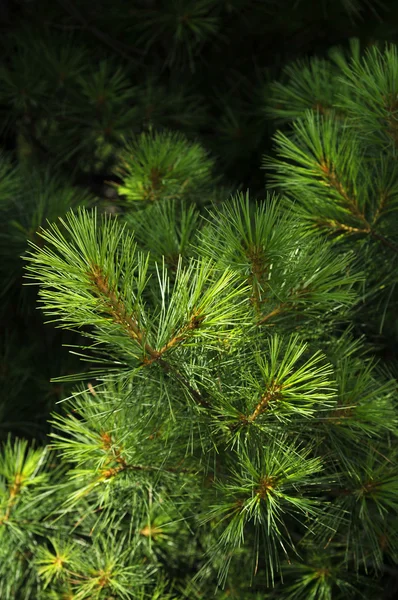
(209, 406)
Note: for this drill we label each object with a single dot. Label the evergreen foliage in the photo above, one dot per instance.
(226, 423)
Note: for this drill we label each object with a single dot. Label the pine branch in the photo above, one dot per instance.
(384, 240)
(273, 313)
(333, 223)
(130, 325)
(270, 394)
(118, 311)
(123, 465)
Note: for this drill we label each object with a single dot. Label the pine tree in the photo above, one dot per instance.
(234, 432)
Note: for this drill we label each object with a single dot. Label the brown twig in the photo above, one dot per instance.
(332, 223)
(271, 393)
(273, 313)
(118, 312)
(351, 203)
(107, 443)
(130, 325)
